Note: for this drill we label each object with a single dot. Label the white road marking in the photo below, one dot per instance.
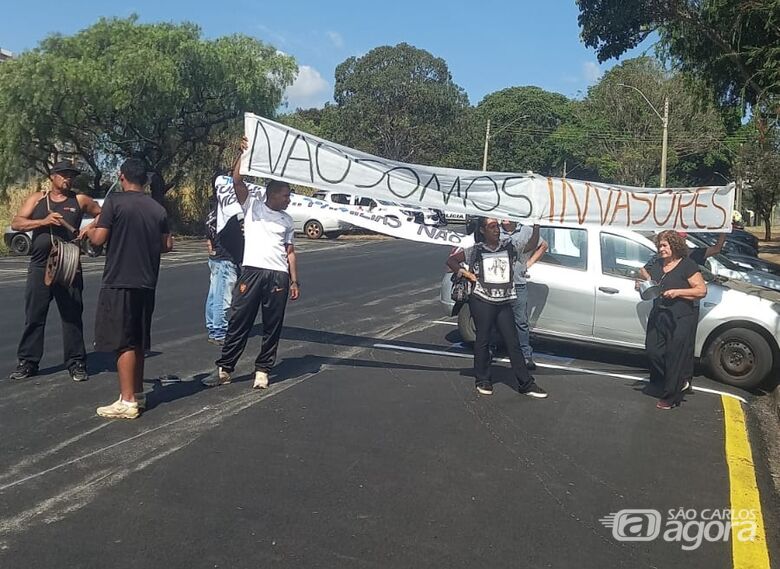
(268, 393)
(444, 322)
(550, 366)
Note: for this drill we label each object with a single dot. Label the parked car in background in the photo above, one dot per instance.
(724, 266)
(582, 290)
(733, 245)
(756, 263)
(455, 217)
(424, 215)
(20, 242)
(315, 222)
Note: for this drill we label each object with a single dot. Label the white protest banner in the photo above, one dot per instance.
(227, 202)
(283, 153)
(386, 224)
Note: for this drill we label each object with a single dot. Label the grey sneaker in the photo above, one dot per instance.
(221, 377)
(485, 387)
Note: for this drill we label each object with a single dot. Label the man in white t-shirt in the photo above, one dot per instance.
(269, 275)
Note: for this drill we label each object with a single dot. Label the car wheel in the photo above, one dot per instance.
(740, 357)
(313, 229)
(468, 332)
(21, 244)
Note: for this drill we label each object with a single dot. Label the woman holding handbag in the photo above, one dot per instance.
(491, 274)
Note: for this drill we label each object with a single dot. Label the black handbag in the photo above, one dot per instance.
(461, 286)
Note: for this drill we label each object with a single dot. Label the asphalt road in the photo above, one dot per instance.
(370, 449)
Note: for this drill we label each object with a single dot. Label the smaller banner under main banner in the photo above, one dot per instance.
(283, 153)
(386, 224)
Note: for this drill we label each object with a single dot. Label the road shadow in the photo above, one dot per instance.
(168, 391)
(295, 367)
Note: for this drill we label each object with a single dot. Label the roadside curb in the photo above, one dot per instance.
(774, 396)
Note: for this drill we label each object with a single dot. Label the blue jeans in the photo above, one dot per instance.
(223, 279)
(520, 310)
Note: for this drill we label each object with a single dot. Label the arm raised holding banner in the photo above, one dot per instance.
(242, 192)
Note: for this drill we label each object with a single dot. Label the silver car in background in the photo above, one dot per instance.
(582, 290)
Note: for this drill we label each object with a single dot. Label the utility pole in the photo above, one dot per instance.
(664, 122)
(665, 139)
(485, 155)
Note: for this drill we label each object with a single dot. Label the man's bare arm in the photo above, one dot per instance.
(242, 191)
(533, 241)
(22, 222)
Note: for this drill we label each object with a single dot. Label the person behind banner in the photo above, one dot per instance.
(226, 251)
(530, 249)
(491, 270)
(671, 326)
(269, 275)
(47, 215)
(137, 227)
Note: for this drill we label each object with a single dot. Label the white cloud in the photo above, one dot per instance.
(308, 90)
(591, 71)
(336, 39)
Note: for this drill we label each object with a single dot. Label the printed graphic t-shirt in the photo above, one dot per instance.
(494, 270)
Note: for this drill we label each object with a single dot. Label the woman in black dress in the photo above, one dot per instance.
(671, 328)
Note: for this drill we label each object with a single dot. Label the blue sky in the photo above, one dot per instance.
(488, 45)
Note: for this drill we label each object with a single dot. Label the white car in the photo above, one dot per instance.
(582, 290)
(456, 217)
(365, 204)
(315, 222)
(722, 265)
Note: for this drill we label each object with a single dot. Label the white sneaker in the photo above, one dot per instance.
(261, 380)
(119, 410)
(222, 377)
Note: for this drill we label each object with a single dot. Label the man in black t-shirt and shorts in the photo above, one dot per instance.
(137, 227)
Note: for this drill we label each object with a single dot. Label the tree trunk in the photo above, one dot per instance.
(96, 178)
(768, 227)
(157, 187)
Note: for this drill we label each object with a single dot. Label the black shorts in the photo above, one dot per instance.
(123, 320)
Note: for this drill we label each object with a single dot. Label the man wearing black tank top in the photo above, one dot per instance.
(45, 214)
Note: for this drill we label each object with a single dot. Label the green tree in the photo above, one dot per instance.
(398, 102)
(734, 44)
(617, 134)
(523, 120)
(120, 88)
(758, 165)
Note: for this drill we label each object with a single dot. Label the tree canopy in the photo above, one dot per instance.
(120, 88)
(398, 102)
(734, 44)
(617, 134)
